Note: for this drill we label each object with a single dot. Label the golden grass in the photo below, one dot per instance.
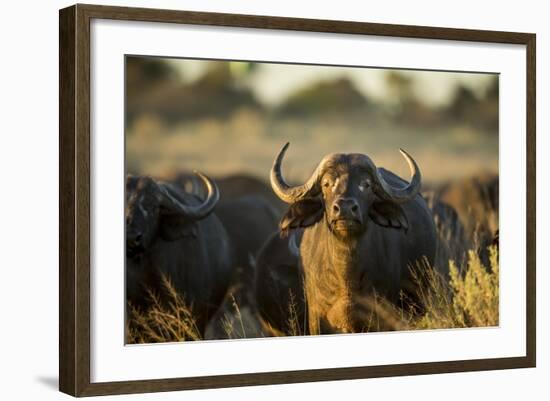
(476, 293)
(468, 298)
(294, 327)
(164, 321)
(232, 323)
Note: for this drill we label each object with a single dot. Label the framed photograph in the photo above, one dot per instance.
(250, 200)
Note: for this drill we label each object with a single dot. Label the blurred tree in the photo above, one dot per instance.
(404, 106)
(243, 69)
(327, 97)
(493, 90)
(470, 109)
(215, 94)
(217, 76)
(223, 74)
(462, 102)
(400, 88)
(144, 75)
(491, 105)
(144, 72)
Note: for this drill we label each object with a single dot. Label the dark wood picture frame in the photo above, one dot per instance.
(74, 202)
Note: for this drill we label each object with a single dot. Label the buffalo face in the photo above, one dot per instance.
(349, 191)
(346, 195)
(142, 214)
(158, 209)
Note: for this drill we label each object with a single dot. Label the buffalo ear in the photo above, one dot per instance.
(173, 227)
(387, 214)
(303, 213)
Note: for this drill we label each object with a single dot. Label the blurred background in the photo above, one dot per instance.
(226, 118)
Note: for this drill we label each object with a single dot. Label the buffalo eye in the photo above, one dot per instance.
(364, 184)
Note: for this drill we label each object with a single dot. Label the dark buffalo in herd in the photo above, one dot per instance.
(202, 247)
(352, 232)
(172, 233)
(279, 287)
(476, 202)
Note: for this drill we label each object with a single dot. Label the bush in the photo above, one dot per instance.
(469, 299)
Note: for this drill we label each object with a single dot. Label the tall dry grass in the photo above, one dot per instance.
(170, 319)
(468, 298)
(163, 321)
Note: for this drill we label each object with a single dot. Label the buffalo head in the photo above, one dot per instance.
(349, 191)
(154, 208)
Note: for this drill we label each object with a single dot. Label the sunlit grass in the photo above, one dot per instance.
(468, 298)
(169, 321)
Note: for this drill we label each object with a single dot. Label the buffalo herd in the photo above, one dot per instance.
(303, 258)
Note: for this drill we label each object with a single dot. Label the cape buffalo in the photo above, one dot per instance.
(170, 232)
(363, 227)
(279, 287)
(249, 221)
(476, 200)
(452, 241)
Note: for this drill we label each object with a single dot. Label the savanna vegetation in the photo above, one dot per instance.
(469, 297)
(215, 123)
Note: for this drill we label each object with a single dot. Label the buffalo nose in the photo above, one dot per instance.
(345, 208)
